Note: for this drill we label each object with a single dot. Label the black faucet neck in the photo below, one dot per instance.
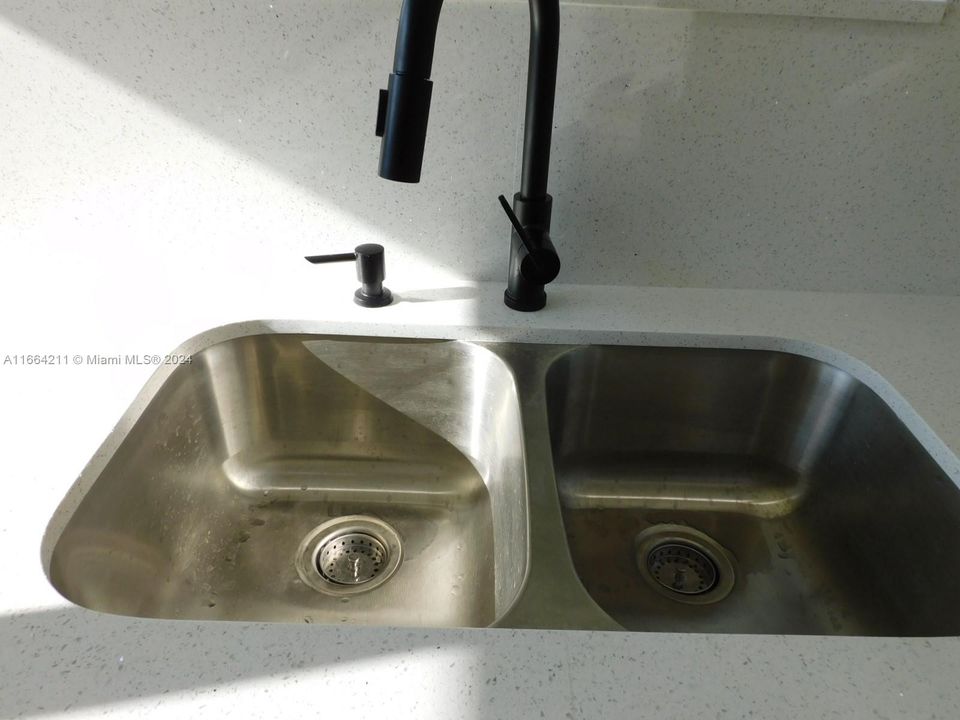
(541, 91)
(405, 106)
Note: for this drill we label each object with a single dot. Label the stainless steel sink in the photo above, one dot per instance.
(829, 516)
(311, 478)
(211, 498)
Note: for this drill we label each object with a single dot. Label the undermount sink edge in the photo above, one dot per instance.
(525, 574)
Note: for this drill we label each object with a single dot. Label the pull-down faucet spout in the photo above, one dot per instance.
(402, 123)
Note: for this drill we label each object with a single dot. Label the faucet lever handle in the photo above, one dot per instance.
(521, 230)
(541, 264)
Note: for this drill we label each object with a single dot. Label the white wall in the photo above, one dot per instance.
(691, 149)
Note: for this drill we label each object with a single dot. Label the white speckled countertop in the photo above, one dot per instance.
(56, 658)
(165, 166)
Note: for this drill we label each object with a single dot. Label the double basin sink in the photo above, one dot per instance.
(333, 479)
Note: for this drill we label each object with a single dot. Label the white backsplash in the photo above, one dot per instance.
(690, 149)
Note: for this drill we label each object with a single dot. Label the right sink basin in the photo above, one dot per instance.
(745, 491)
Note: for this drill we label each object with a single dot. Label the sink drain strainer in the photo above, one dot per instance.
(684, 564)
(682, 568)
(351, 559)
(348, 555)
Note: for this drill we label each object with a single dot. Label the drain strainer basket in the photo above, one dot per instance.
(351, 559)
(348, 555)
(684, 564)
(682, 568)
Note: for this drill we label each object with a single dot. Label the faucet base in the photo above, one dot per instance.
(532, 300)
(528, 274)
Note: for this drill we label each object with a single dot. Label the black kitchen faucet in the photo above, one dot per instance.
(402, 123)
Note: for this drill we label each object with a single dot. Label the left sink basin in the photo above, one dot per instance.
(307, 478)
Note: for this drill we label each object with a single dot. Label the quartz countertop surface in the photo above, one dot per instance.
(56, 658)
